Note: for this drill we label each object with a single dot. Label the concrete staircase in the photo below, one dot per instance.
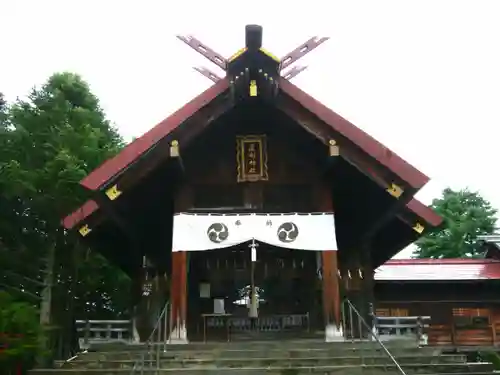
(270, 357)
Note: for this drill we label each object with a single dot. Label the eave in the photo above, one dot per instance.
(369, 156)
(103, 174)
(433, 270)
(343, 129)
(416, 209)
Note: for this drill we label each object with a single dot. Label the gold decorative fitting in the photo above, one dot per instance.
(419, 228)
(253, 88)
(84, 230)
(113, 192)
(333, 148)
(174, 149)
(269, 54)
(237, 54)
(395, 190)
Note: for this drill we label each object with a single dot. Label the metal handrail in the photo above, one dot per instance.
(363, 322)
(147, 353)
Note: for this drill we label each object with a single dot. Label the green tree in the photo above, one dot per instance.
(465, 216)
(19, 333)
(48, 143)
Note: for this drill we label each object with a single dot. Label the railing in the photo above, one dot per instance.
(104, 331)
(271, 323)
(355, 328)
(402, 327)
(278, 323)
(153, 357)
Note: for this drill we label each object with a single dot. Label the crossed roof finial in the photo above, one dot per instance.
(216, 58)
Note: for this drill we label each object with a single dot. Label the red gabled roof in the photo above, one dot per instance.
(368, 144)
(438, 270)
(425, 212)
(110, 168)
(138, 147)
(80, 214)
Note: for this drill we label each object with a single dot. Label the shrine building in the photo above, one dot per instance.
(253, 205)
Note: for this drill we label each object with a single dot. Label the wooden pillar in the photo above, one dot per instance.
(357, 277)
(331, 295)
(367, 285)
(179, 274)
(331, 291)
(136, 292)
(178, 301)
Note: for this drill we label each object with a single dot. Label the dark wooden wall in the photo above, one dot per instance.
(296, 165)
(462, 313)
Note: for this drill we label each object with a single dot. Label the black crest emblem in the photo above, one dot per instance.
(288, 232)
(217, 232)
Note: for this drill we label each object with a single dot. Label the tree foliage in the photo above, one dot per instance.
(20, 333)
(48, 143)
(466, 215)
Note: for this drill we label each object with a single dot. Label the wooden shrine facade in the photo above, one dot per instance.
(254, 143)
(459, 295)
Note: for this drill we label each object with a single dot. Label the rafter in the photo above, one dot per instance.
(301, 51)
(390, 212)
(293, 72)
(205, 51)
(207, 73)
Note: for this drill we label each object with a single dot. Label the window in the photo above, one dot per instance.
(471, 317)
(394, 312)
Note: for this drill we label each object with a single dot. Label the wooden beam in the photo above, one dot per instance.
(293, 72)
(105, 203)
(207, 73)
(90, 223)
(169, 147)
(390, 212)
(198, 123)
(348, 151)
(402, 194)
(301, 51)
(204, 50)
(413, 221)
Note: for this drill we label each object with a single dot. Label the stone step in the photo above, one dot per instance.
(410, 369)
(248, 345)
(227, 352)
(268, 362)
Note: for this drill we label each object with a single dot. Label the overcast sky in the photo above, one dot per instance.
(423, 77)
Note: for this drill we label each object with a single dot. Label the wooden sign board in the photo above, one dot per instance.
(251, 158)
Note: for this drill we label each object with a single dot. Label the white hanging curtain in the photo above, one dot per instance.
(201, 232)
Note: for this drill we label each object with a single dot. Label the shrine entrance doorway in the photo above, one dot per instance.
(250, 274)
(253, 291)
